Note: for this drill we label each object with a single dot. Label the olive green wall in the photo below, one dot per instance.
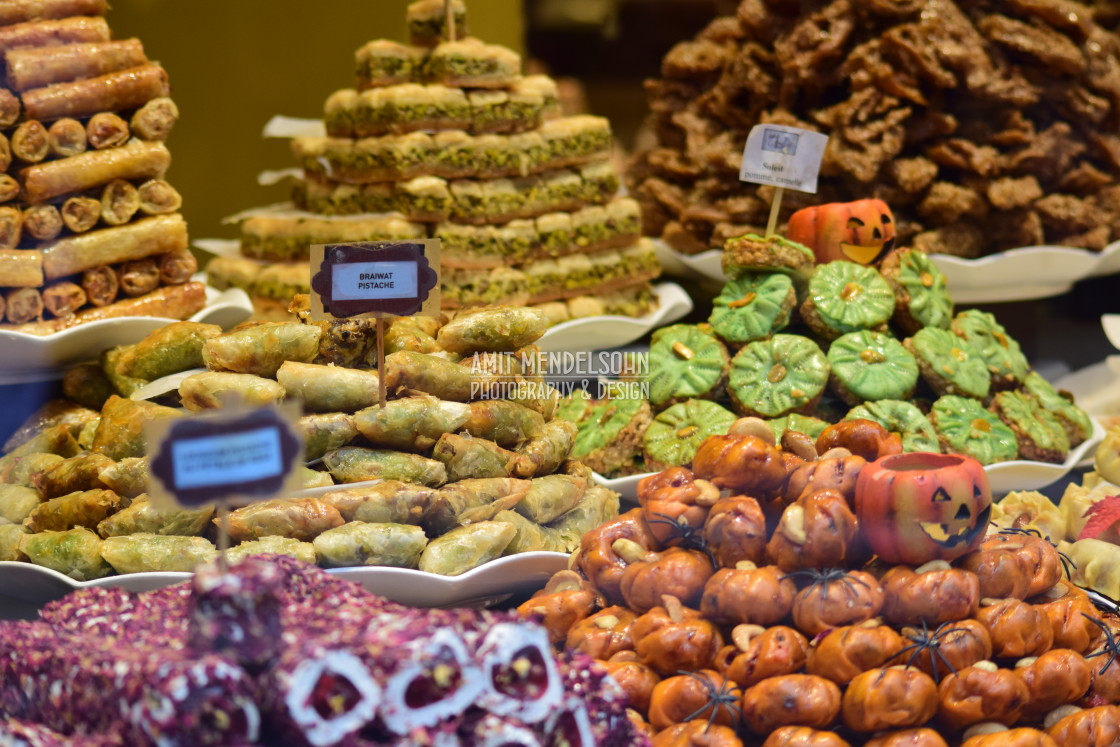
(235, 63)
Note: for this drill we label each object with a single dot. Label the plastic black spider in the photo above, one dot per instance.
(1067, 562)
(1111, 646)
(823, 577)
(931, 642)
(719, 698)
(687, 536)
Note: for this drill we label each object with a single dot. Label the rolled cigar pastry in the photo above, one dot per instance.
(21, 268)
(5, 152)
(106, 129)
(124, 89)
(52, 33)
(35, 68)
(24, 305)
(155, 119)
(138, 276)
(11, 227)
(63, 298)
(101, 285)
(108, 246)
(135, 160)
(21, 11)
(44, 222)
(67, 137)
(9, 188)
(119, 202)
(172, 301)
(80, 214)
(30, 143)
(158, 197)
(9, 108)
(177, 267)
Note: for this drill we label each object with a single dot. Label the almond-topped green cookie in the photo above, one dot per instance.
(871, 366)
(752, 307)
(965, 427)
(575, 407)
(686, 361)
(751, 253)
(949, 364)
(903, 418)
(770, 378)
(1001, 353)
(921, 298)
(845, 297)
(610, 437)
(1041, 436)
(675, 434)
(1078, 424)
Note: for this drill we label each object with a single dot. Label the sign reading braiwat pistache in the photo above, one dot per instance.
(375, 278)
(224, 456)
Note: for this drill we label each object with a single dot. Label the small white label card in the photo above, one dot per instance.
(783, 157)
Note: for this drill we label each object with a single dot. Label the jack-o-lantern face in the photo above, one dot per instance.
(860, 231)
(918, 507)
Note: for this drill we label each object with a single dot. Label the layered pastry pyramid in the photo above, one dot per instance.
(447, 139)
(89, 228)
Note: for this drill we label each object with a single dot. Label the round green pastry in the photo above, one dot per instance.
(871, 366)
(575, 407)
(675, 434)
(965, 427)
(686, 361)
(921, 298)
(751, 252)
(752, 306)
(810, 426)
(770, 378)
(1001, 353)
(845, 297)
(610, 437)
(949, 364)
(1078, 424)
(904, 418)
(1041, 437)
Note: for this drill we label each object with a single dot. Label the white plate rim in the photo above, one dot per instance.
(612, 331)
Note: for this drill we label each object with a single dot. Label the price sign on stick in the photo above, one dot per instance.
(783, 157)
(372, 279)
(224, 457)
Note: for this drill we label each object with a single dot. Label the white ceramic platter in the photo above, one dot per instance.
(603, 332)
(1014, 275)
(28, 357)
(1003, 477)
(492, 582)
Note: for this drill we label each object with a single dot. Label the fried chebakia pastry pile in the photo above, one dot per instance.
(985, 126)
(272, 651)
(743, 604)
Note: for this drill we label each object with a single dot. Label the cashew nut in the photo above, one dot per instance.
(933, 565)
(741, 635)
(753, 427)
(1058, 714)
(793, 524)
(800, 445)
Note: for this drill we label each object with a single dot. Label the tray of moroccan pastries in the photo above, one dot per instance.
(773, 596)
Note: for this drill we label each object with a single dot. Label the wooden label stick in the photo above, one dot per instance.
(775, 208)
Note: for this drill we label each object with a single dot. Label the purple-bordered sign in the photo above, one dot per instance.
(400, 278)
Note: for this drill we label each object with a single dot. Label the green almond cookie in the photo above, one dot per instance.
(675, 434)
(871, 366)
(904, 418)
(965, 427)
(1001, 353)
(686, 361)
(845, 297)
(752, 306)
(1078, 424)
(810, 426)
(610, 437)
(921, 296)
(771, 378)
(575, 407)
(1042, 437)
(751, 252)
(949, 364)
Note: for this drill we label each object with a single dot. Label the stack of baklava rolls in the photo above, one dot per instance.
(447, 139)
(89, 227)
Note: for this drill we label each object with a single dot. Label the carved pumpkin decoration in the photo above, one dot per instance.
(920, 506)
(860, 231)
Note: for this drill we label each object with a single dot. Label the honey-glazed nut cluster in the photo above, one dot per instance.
(740, 604)
(985, 126)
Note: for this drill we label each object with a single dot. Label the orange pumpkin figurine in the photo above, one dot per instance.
(860, 231)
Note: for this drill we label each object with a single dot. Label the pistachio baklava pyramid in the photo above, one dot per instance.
(444, 138)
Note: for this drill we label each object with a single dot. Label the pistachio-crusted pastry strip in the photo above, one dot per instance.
(383, 62)
(284, 238)
(470, 63)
